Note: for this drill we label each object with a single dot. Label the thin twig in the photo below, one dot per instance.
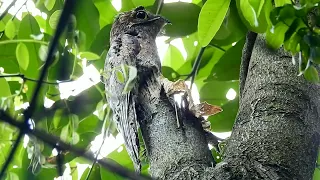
(106, 132)
(159, 7)
(56, 142)
(196, 66)
(7, 9)
(24, 127)
(63, 21)
(22, 76)
(218, 47)
(19, 9)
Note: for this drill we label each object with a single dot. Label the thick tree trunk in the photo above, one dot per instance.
(173, 152)
(276, 134)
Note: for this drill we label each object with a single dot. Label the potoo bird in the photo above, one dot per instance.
(132, 50)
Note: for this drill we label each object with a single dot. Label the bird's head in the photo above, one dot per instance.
(138, 22)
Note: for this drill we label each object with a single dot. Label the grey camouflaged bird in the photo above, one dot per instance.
(132, 40)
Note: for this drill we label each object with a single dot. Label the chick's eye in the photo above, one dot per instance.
(141, 15)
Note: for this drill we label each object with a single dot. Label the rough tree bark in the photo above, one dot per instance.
(275, 136)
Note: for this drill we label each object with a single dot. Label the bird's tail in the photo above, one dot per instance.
(125, 114)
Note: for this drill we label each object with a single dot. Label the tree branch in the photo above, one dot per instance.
(245, 60)
(7, 9)
(56, 142)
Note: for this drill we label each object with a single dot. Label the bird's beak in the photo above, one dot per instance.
(155, 18)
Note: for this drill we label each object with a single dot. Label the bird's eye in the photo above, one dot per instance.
(141, 15)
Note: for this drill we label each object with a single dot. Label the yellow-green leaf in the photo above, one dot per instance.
(279, 3)
(10, 30)
(22, 55)
(49, 4)
(210, 19)
(5, 89)
(89, 55)
(249, 12)
(2, 26)
(54, 18)
(311, 74)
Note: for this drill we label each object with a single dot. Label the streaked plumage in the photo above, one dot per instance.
(132, 40)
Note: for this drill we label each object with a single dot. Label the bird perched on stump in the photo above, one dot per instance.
(132, 49)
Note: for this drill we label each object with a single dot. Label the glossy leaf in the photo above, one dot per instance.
(279, 3)
(22, 54)
(10, 30)
(210, 19)
(223, 121)
(2, 26)
(275, 36)
(27, 27)
(173, 58)
(87, 16)
(311, 74)
(5, 88)
(231, 30)
(89, 55)
(182, 23)
(54, 18)
(106, 12)
(94, 175)
(250, 12)
(49, 4)
(214, 92)
(228, 66)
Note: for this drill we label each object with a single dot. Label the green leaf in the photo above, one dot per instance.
(95, 173)
(54, 18)
(228, 67)
(223, 121)
(2, 26)
(43, 52)
(214, 92)
(121, 157)
(183, 16)
(10, 29)
(27, 27)
(275, 36)
(107, 12)
(251, 10)
(64, 135)
(232, 30)
(101, 41)
(144, 3)
(169, 73)
(131, 79)
(210, 19)
(315, 54)
(279, 3)
(22, 54)
(87, 16)
(105, 174)
(316, 174)
(173, 58)
(120, 76)
(126, 5)
(5, 88)
(49, 4)
(311, 74)
(89, 56)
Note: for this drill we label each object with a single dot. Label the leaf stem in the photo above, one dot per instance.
(23, 40)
